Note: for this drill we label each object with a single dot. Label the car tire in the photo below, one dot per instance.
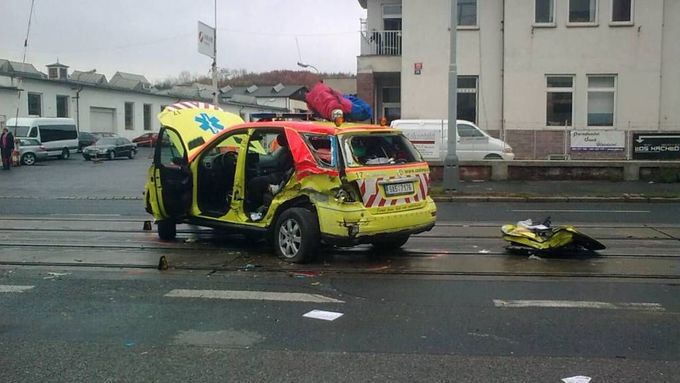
(86, 157)
(167, 229)
(296, 235)
(112, 155)
(132, 154)
(28, 159)
(393, 243)
(65, 154)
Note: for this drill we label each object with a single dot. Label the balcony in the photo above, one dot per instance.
(381, 43)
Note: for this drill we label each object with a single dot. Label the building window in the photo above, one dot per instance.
(391, 103)
(622, 11)
(559, 100)
(392, 17)
(52, 72)
(35, 104)
(129, 116)
(601, 100)
(467, 98)
(544, 12)
(147, 116)
(62, 106)
(582, 11)
(467, 13)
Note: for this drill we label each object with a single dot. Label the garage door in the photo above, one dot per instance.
(102, 120)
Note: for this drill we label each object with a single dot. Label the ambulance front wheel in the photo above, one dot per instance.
(167, 230)
(296, 235)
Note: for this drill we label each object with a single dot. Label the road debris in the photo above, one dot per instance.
(577, 379)
(323, 315)
(52, 275)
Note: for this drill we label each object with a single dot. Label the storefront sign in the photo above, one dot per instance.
(598, 140)
(656, 146)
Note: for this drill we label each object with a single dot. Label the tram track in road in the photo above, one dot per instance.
(636, 251)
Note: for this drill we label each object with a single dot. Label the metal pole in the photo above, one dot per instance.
(451, 171)
(216, 93)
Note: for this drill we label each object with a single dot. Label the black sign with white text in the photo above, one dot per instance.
(656, 146)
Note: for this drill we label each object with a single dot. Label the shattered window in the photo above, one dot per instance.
(324, 149)
(379, 149)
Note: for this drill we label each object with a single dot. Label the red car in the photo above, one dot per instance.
(146, 139)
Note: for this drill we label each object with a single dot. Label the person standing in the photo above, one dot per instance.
(6, 148)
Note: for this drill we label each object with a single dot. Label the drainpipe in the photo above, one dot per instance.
(78, 90)
(503, 73)
(663, 15)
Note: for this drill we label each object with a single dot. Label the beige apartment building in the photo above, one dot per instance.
(540, 74)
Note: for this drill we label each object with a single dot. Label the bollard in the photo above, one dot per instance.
(162, 263)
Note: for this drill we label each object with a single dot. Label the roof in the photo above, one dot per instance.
(129, 81)
(57, 65)
(25, 69)
(269, 91)
(321, 127)
(90, 77)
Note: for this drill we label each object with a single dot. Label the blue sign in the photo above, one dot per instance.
(210, 123)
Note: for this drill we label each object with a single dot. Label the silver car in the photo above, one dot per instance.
(31, 150)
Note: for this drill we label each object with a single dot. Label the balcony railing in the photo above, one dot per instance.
(381, 43)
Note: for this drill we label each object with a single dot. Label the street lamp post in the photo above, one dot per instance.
(451, 171)
(303, 65)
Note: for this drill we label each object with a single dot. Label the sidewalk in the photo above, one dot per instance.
(559, 191)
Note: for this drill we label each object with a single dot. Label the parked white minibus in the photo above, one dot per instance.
(58, 135)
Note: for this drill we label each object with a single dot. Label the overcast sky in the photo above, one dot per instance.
(158, 38)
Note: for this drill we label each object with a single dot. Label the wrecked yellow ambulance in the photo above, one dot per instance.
(298, 183)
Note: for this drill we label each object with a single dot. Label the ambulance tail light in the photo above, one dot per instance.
(347, 193)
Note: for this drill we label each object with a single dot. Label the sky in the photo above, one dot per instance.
(158, 38)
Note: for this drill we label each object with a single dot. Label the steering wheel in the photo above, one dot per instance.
(228, 160)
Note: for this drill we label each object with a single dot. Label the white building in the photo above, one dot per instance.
(531, 71)
(126, 105)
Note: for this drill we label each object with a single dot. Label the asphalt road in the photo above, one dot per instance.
(75, 325)
(81, 299)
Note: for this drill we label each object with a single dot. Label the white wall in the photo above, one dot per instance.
(630, 52)
(670, 99)
(426, 40)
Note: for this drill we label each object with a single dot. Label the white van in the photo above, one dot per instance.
(430, 138)
(58, 135)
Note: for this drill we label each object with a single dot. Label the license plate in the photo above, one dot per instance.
(398, 189)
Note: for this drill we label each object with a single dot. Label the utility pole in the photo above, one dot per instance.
(216, 92)
(451, 171)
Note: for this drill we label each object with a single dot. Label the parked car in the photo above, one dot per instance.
(430, 138)
(31, 150)
(146, 139)
(110, 147)
(340, 185)
(86, 139)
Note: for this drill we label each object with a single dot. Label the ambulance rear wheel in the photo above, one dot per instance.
(296, 235)
(167, 230)
(392, 243)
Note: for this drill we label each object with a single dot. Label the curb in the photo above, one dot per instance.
(572, 199)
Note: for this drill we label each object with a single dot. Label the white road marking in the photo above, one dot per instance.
(251, 295)
(578, 304)
(581, 211)
(323, 315)
(14, 288)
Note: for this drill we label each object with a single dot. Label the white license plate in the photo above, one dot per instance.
(398, 189)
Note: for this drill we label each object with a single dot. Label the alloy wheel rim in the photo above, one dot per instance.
(290, 238)
(29, 159)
